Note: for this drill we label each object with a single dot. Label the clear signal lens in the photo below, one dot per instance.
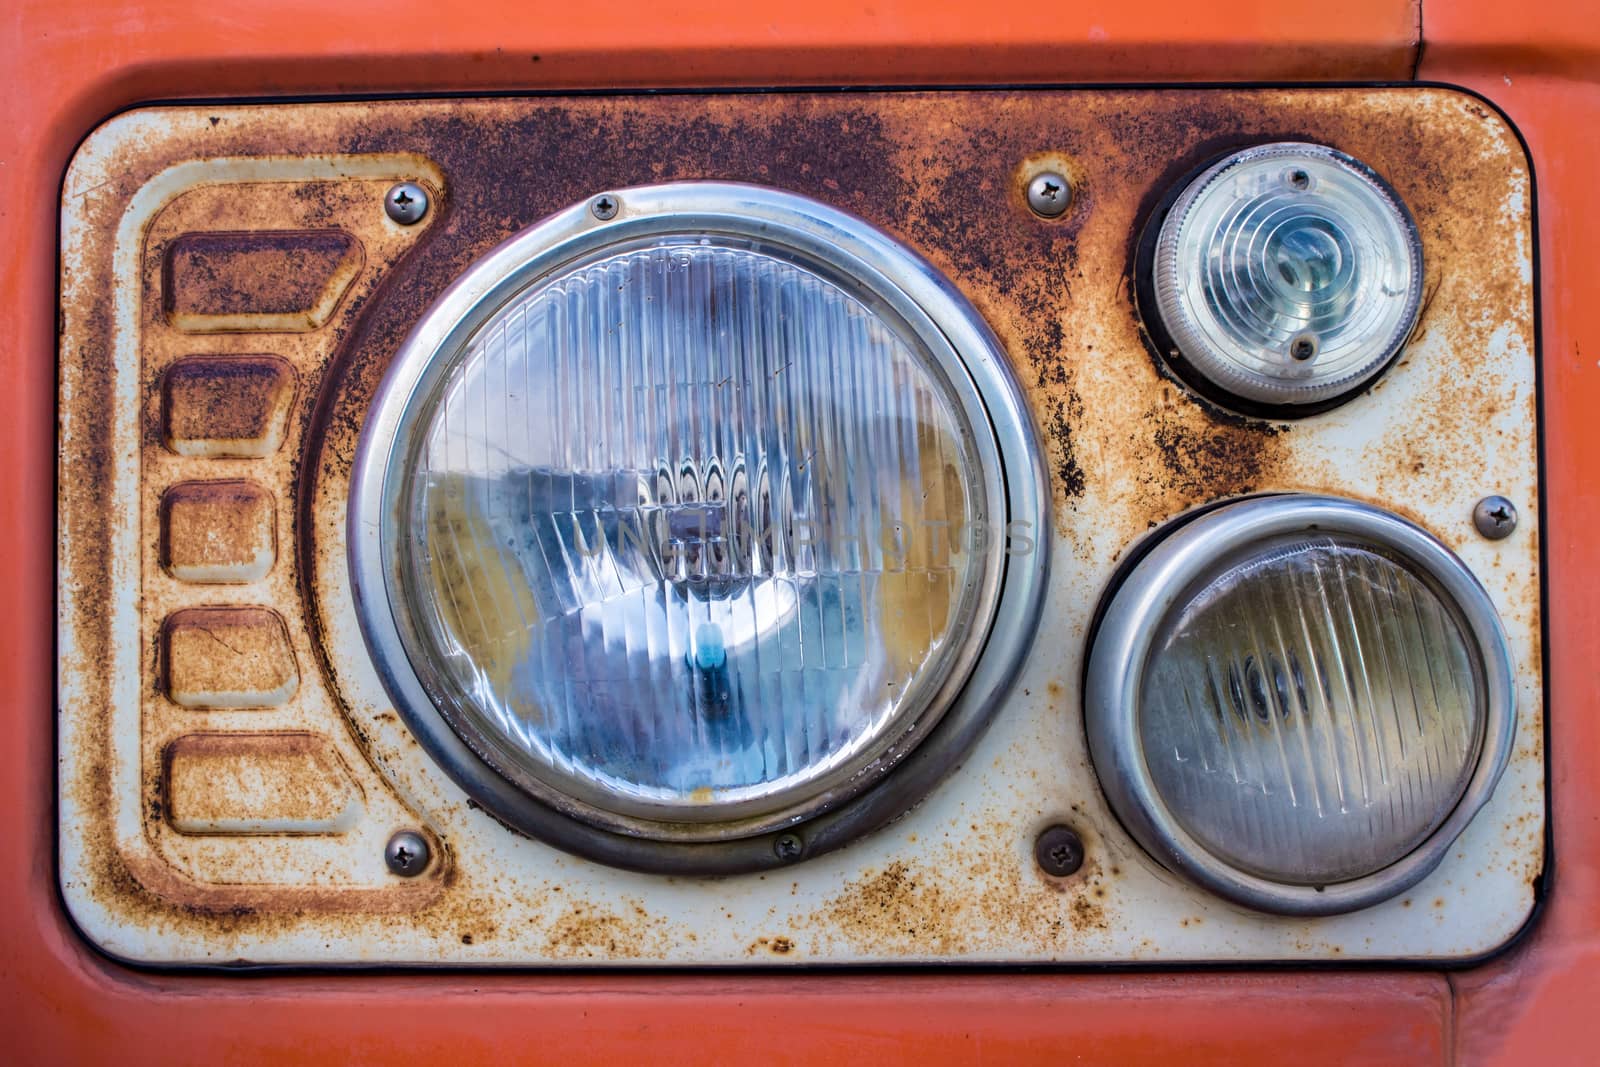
(692, 532)
(1287, 274)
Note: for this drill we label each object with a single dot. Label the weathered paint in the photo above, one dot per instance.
(1128, 448)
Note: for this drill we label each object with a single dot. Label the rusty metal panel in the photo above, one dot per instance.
(233, 291)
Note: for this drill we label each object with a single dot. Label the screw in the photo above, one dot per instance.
(788, 847)
(604, 206)
(1299, 179)
(1495, 517)
(407, 853)
(1303, 347)
(1049, 194)
(1058, 851)
(406, 203)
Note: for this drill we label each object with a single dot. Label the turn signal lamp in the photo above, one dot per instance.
(1285, 276)
(1299, 702)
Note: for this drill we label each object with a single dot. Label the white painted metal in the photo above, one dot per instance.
(954, 879)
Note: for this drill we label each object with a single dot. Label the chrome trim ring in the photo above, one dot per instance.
(1153, 588)
(1013, 481)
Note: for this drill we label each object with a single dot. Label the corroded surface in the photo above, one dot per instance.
(227, 406)
(256, 783)
(221, 532)
(222, 785)
(226, 657)
(1128, 447)
(257, 281)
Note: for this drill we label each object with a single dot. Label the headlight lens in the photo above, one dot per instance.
(1287, 275)
(691, 525)
(1299, 701)
(671, 520)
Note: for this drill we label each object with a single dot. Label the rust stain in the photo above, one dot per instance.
(774, 946)
(1204, 463)
(781, 946)
(968, 895)
(591, 931)
(898, 907)
(154, 891)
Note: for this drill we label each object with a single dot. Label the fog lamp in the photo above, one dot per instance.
(1286, 275)
(1299, 702)
(687, 517)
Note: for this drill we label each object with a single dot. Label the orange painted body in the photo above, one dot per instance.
(70, 63)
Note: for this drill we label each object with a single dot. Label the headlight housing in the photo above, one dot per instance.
(683, 519)
(1299, 702)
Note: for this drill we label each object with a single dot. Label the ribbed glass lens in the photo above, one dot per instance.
(1288, 274)
(1313, 710)
(696, 531)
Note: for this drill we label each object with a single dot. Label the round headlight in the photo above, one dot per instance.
(1284, 276)
(1299, 702)
(686, 518)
